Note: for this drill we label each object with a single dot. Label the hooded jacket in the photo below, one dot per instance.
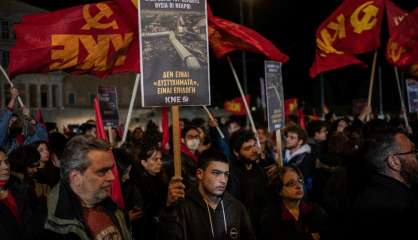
(65, 216)
(190, 219)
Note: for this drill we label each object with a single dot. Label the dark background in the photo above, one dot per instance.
(291, 25)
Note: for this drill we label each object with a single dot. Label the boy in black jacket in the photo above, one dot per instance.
(207, 212)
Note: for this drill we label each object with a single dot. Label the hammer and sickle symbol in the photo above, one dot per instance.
(94, 22)
(368, 20)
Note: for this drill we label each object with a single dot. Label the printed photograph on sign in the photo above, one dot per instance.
(175, 68)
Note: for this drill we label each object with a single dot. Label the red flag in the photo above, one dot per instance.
(236, 106)
(301, 117)
(39, 118)
(92, 38)
(395, 15)
(290, 106)
(165, 128)
(402, 47)
(115, 189)
(226, 36)
(353, 28)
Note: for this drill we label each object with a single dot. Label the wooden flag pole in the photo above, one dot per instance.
(369, 101)
(11, 85)
(279, 157)
(131, 107)
(405, 116)
(213, 119)
(250, 117)
(176, 140)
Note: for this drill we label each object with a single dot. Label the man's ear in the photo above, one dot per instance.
(394, 163)
(183, 141)
(143, 163)
(300, 142)
(199, 173)
(75, 178)
(235, 153)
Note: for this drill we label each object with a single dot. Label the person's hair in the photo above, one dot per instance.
(380, 147)
(75, 154)
(209, 156)
(23, 157)
(147, 150)
(302, 135)
(276, 180)
(38, 143)
(3, 151)
(57, 142)
(186, 129)
(123, 159)
(240, 137)
(85, 127)
(315, 127)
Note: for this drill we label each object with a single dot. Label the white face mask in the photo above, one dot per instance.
(193, 144)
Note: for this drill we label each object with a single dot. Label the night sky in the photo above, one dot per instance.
(291, 26)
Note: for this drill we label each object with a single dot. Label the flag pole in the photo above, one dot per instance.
(11, 85)
(405, 116)
(131, 107)
(250, 117)
(176, 140)
(279, 157)
(369, 101)
(321, 78)
(213, 119)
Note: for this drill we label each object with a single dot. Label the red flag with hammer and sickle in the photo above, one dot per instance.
(353, 28)
(92, 38)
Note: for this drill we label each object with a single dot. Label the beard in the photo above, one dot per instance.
(409, 171)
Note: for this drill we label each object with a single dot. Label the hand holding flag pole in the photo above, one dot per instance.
(11, 85)
(213, 119)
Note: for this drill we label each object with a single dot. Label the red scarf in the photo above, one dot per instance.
(189, 153)
(10, 202)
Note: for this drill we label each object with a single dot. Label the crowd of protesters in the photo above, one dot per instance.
(347, 178)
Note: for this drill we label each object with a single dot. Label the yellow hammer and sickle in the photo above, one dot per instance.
(135, 2)
(395, 51)
(368, 21)
(414, 70)
(94, 22)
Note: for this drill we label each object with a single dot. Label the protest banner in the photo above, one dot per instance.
(108, 105)
(174, 53)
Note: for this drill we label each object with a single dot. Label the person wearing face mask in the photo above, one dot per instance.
(190, 142)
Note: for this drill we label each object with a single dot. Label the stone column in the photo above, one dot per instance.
(60, 96)
(27, 95)
(50, 100)
(38, 95)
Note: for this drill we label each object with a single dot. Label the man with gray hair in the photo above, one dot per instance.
(79, 206)
(387, 209)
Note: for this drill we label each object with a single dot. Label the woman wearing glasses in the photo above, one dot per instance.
(289, 217)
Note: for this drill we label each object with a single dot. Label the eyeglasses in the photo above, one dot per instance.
(293, 183)
(414, 151)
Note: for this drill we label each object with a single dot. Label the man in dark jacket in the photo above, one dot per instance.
(248, 181)
(387, 207)
(79, 206)
(208, 212)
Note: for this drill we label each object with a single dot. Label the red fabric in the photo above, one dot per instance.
(71, 39)
(395, 15)
(20, 139)
(353, 28)
(100, 224)
(304, 208)
(165, 128)
(402, 47)
(188, 153)
(115, 190)
(100, 132)
(236, 106)
(226, 36)
(301, 117)
(290, 106)
(39, 118)
(10, 202)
